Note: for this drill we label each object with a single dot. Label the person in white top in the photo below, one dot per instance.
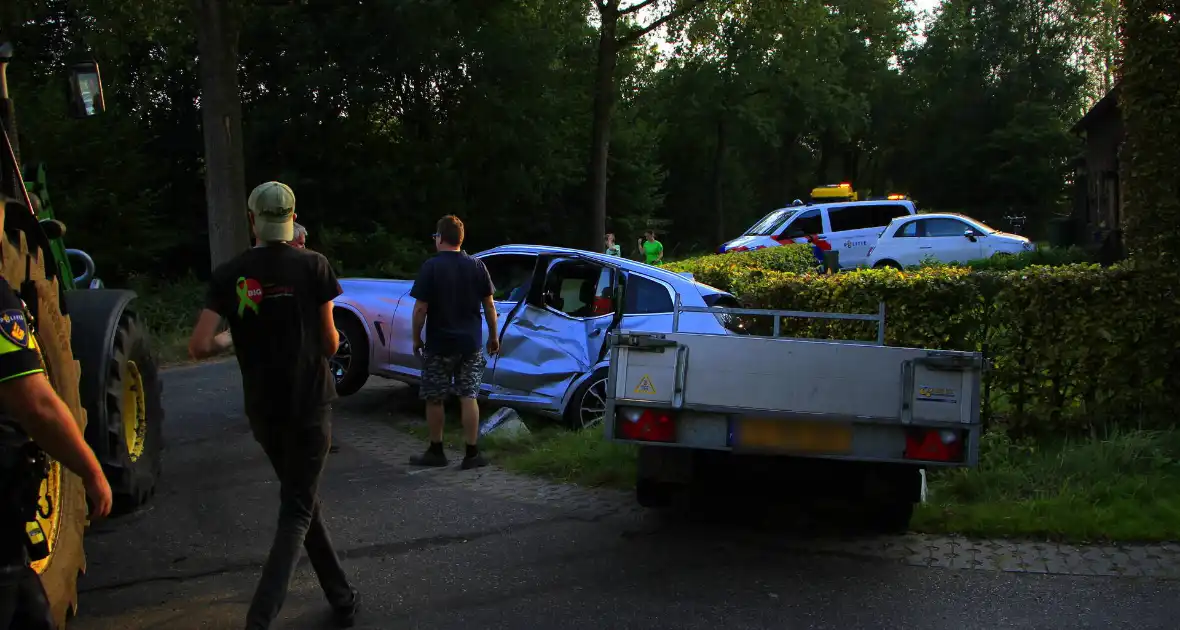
(611, 248)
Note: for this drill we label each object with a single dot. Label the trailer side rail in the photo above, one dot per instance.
(878, 317)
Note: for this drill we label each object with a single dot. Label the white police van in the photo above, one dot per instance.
(848, 225)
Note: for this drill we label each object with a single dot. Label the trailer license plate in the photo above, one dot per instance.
(789, 435)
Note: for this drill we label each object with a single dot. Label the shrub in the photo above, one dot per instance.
(1075, 349)
(1042, 255)
(377, 253)
(718, 270)
(170, 309)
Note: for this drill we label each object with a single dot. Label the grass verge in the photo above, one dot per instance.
(583, 458)
(1124, 488)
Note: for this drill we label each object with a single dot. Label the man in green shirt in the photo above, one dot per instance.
(653, 250)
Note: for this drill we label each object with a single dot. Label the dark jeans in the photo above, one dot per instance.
(23, 604)
(297, 450)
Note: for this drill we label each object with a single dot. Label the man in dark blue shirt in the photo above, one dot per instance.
(450, 289)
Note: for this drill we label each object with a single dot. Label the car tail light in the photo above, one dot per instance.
(646, 425)
(934, 445)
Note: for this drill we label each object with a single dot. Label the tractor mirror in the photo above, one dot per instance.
(86, 97)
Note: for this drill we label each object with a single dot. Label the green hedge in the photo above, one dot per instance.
(1042, 255)
(1076, 349)
(718, 269)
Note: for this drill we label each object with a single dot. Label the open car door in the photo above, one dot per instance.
(558, 333)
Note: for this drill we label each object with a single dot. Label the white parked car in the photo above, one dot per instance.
(945, 237)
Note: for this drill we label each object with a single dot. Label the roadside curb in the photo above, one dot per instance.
(394, 447)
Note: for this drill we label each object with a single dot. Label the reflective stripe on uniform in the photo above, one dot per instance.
(12, 376)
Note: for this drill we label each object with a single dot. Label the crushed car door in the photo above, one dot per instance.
(511, 274)
(558, 334)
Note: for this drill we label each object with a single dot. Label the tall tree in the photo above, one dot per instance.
(221, 119)
(1150, 108)
(620, 27)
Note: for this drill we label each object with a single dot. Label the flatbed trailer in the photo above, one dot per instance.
(841, 417)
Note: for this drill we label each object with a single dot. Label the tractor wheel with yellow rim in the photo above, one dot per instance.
(121, 391)
(63, 509)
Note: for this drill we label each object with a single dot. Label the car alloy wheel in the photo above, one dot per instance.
(342, 360)
(592, 407)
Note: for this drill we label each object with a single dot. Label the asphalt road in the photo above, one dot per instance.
(433, 550)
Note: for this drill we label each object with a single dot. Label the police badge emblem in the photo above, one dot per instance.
(14, 327)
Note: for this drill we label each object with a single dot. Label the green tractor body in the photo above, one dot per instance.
(39, 195)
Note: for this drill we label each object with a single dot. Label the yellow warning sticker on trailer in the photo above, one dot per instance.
(645, 386)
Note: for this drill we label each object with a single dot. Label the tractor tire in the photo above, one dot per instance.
(63, 496)
(121, 391)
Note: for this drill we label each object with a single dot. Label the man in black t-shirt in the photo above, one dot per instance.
(278, 302)
(450, 289)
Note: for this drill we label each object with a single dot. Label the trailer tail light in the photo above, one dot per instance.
(934, 445)
(646, 425)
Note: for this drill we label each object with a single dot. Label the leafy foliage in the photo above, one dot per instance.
(1071, 352)
(1041, 255)
(1150, 106)
(718, 270)
(395, 113)
(373, 253)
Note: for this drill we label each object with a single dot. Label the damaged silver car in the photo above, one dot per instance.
(555, 308)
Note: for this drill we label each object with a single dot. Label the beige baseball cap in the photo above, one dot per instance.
(273, 207)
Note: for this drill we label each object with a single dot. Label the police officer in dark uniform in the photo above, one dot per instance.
(29, 408)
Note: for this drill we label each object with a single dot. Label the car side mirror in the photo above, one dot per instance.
(86, 97)
(971, 235)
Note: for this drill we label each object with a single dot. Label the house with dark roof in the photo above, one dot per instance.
(1098, 204)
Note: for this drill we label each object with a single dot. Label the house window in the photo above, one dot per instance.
(1110, 183)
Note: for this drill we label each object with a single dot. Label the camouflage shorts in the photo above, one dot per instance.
(458, 374)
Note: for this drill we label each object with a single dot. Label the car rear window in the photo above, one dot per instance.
(732, 323)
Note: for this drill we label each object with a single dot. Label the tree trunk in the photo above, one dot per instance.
(719, 177)
(824, 165)
(789, 178)
(221, 121)
(604, 100)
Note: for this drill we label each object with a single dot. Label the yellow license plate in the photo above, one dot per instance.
(790, 435)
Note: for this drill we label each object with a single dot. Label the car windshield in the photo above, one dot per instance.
(771, 223)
